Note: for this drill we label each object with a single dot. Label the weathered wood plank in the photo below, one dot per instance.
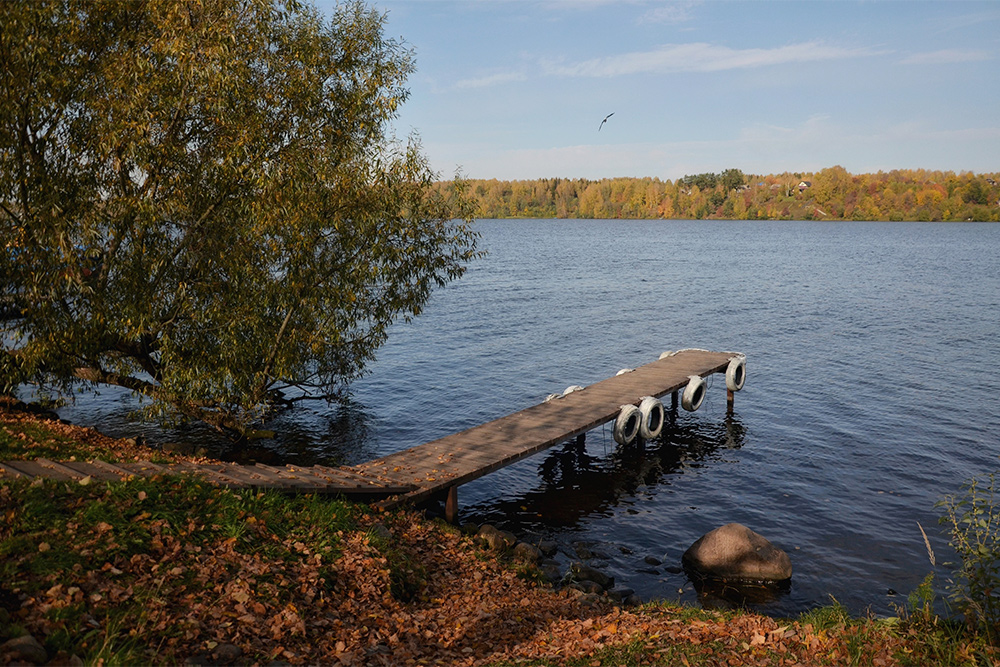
(96, 473)
(288, 478)
(63, 469)
(36, 469)
(343, 481)
(144, 468)
(353, 476)
(111, 468)
(11, 471)
(462, 457)
(248, 476)
(443, 464)
(272, 478)
(211, 473)
(305, 474)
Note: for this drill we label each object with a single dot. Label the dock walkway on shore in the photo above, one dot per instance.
(437, 467)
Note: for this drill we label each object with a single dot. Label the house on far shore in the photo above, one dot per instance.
(804, 185)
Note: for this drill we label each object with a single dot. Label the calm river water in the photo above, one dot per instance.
(873, 390)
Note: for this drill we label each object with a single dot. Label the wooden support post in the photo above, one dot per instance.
(581, 441)
(451, 505)
(730, 398)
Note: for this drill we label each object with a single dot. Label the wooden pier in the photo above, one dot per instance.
(437, 467)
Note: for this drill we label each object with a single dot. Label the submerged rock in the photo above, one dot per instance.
(736, 553)
(551, 570)
(527, 553)
(583, 572)
(587, 587)
(498, 540)
(548, 547)
(620, 594)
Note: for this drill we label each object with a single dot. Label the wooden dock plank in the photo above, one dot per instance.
(349, 476)
(113, 469)
(10, 471)
(144, 468)
(96, 473)
(211, 473)
(302, 482)
(463, 457)
(36, 469)
(248, 476)
(346, 484)
(419, 472)
(64, 469)
(306, 474)
(319, 476)
(284, 477)
(335, 477)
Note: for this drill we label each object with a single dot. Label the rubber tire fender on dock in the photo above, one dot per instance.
(653, 416)
(627, 424)
(736, 373)
(694, 393)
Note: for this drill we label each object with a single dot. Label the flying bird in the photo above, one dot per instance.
(605, 120)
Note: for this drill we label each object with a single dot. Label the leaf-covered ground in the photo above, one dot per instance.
(27, 432)
(168, 570)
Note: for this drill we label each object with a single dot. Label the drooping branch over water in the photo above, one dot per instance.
(205, 203)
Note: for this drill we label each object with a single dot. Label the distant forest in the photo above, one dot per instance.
(830, 194)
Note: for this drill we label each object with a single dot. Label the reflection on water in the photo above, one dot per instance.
(339, 433)
(575, 483)
(343, 434)
(726, 595)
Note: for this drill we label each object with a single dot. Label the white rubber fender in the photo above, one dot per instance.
(624, 371)
(653, 415)
(694, 393)
(627, 424)
(736, 373)
(552, 397)
(571, 389)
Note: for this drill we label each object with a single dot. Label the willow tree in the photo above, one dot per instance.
(204, 201)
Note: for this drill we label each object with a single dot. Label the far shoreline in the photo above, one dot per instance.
(910, 195)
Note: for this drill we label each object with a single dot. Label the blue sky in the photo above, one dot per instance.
(516, 89)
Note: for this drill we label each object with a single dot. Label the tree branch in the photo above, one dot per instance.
(219, 419)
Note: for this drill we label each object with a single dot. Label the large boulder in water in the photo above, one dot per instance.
(736, 553)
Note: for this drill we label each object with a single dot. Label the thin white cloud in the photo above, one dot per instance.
(816, 126)
(670, 13)
(946, 57)
(570, 5)
(702, 57)
(491, 80)
(959, 22)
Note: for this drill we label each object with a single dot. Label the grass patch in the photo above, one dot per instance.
(830, 617)
(102, 562)
(28, 440)
(29, 432)
(641, 652)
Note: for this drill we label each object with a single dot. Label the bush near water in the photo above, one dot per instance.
(172, 569)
